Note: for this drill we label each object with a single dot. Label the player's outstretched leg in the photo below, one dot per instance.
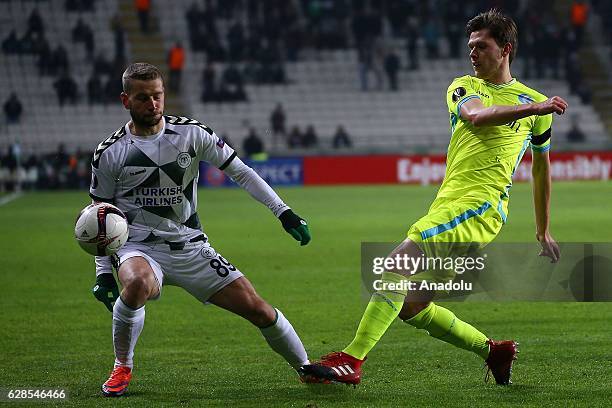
(442, 324)
(381, 311)
(345, 366)
(241, 298)
(139, 284)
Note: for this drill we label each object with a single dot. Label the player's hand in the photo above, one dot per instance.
(296, 226)
(550, 248)
(106, 290)
(556, 104)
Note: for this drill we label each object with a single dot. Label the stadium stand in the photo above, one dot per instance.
(44, 124)
(319, 58)
(323, 90)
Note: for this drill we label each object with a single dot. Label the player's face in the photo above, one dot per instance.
(486, 56)
(145, 102)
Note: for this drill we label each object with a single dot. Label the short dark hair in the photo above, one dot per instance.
(141, 71)
(501, 27)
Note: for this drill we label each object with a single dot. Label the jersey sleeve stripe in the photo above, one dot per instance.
(460, 104)
(105, 145)
(228, 161)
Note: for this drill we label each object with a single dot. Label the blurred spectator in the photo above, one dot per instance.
(11, 162)
(278, 120)
(412, 34)
(235, 41)
(66, 89)
(194, 16)
(392, 66)
(368, 61)
(584, 93)
(252, 145)
(13, 109)
(270, 69)
(35, 24)
(579, 14)
(38, 43)
(82, 32)
(431, 35)
(575, 135)
(143, 8)
(102, 66)
(45, 59)
(209, 81)
(11, 44)
(232, 85)
(310, 138)
(113, 86)
(293, 38)
(95, 90)
(551, 36)
(176, 63)
(295, 138)
(118, 36)
(397, 13)
(341, 138)
(59, 60)
(454, 23)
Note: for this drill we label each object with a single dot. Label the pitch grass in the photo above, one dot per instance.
(55, 335)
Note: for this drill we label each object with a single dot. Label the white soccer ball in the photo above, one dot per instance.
(101, 229)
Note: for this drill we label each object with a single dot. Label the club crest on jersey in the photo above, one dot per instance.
(524, 98)
(220, 143)
(183, 160)
(458, 93)
(208, 253)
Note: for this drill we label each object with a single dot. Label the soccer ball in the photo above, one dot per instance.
(101, 229)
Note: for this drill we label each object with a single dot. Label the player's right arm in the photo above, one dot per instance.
(464, 102)
(102, 189)
(478, 115)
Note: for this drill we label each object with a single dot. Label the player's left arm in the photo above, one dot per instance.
(249, 180)
(213, 150)
(542, 183)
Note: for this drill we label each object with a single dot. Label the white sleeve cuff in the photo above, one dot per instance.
(249, 180)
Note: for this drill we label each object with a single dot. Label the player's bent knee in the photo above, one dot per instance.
(411, 309)
(138, 281)
(259, 312)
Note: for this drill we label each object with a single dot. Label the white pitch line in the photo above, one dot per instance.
(11, 197)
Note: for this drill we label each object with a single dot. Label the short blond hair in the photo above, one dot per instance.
(142, 71)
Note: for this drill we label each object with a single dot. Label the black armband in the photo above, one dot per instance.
(541, 139)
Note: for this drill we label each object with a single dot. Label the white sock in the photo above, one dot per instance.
(283, 339)
(127, 326)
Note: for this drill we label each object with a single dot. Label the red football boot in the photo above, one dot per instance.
(333, 367)
(117, 383)
(501, 356)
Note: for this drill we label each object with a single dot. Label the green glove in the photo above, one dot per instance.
(296, 226)
(106, 290)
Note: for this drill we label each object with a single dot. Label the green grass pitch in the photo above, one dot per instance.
(56, 335)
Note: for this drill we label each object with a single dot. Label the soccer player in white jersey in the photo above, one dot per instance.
(149, 169)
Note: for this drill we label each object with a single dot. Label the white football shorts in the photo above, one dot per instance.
(197, 268)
